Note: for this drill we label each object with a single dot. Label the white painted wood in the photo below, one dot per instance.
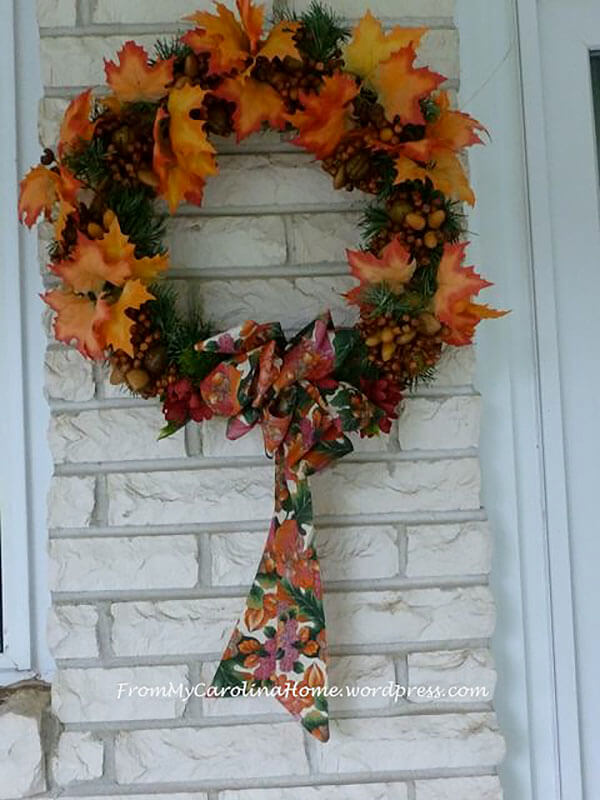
(25, 468)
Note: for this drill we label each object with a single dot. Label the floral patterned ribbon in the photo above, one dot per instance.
(289, 390)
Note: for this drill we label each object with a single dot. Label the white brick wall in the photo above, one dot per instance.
(153, 544)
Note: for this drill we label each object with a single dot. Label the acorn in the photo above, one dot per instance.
(147, 177)
(156, 359)
(387, 351)
(429, 324)
(137, 379)
(116, 376)
(387, 335)
(190, 65)
(339, 179)
(415, 221)
(47, 157)
(108, 218)
(358, 166)
(436, 219)
(398, 211)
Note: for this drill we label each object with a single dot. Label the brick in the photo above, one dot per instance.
(79, 757)
(203, 626)
(141, 562)
(282, 180)
(461, 549)
(71, 631)
(68, 376)
(242, 241)
(55, 13)
(456, 367)
(345, 554)
(170, 796)
(193, 754)
(112, 435)
(22, 772)
(321, 238)
(79, 60)
(467, 670)
(389, 8)
(240, 493)
(357, 791)
(174, 626)
(50, 114)
(439, 424)
(292, 301)
(92, 695)
(70, 502)
(145, 11)
(449, 741)
(484, 788)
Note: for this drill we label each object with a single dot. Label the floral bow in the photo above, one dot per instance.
(289, 390)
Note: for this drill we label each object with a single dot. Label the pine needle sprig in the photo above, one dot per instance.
(166, 48)
(88, 163)
(375, 219)
(383, 301)
(138, 219)
(455, 223)
(322, 34)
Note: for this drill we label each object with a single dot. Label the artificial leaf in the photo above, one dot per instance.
(189, 140)
(117, 328)
(134, 79)
(149, 268)
(117, 247)
(38, 192)
(401, 86)
(456, 285)
(76, 125)
(79, 320)
(175, 182)
(395, 268)
(444, 171)
(89, 267)
(370, 45)
(453, 129)
(255, 103)
(325, 118)
(252, 18)
(220, 35)
(280, 41)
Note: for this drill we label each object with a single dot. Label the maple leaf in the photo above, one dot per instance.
(117, 327)
(255, 103)
(324, 120)
(395, 268)
(117, 247)
(38, 191)
(175, 182)
(453, 129)
(133, 79)
(231, 44)
(444, 171)
(456, 285)
(370, 45)
(78, 319)
(76, 125)
(220, 35)
(401, 86)
(189, 140)
(89, 267)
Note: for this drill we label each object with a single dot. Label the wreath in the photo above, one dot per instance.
(377, 123)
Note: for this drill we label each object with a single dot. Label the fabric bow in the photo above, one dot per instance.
(304, 413)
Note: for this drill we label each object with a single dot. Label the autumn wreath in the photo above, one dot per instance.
(377, 123)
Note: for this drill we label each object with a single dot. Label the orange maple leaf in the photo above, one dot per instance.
(76, 125)
(79, 320)
(232, 44)
(117, 247)
(133, 79)
(395, 268)
(456, 285)
(255, 103)
(89, 267)
(370, 45)
(175, 182)
(189, 140)
(453, 129)
(41, 189)
(401, 86)
(444, 171)
(324, 120)
(116, 329)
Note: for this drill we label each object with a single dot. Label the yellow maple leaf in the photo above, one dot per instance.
(401, 86)
(134, 79)
(117, 327)
(395, 268)
(444, 171)
(370, 45)
(255, 102)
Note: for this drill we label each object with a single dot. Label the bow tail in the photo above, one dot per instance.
(280, 640)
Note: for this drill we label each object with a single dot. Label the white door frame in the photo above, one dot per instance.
(523, 445)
